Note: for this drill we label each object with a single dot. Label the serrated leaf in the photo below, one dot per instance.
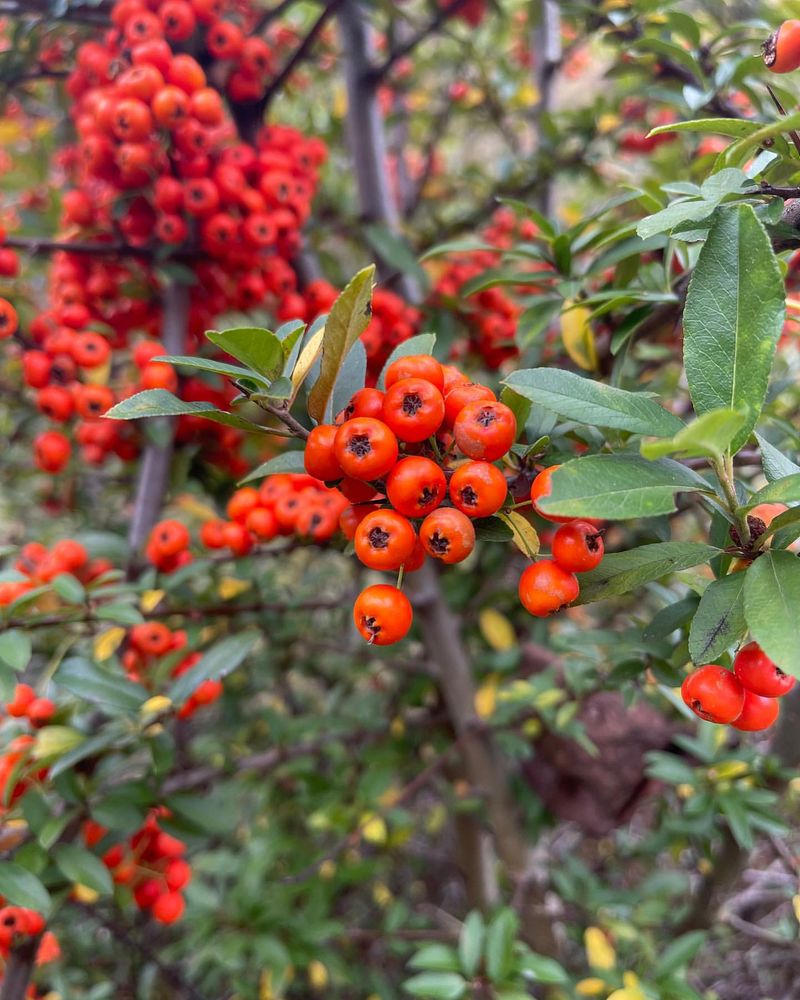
(211, 365)
(217, 662)
(82, 867)
(719, 621)
(346, 321)
(618, 487)
(620, 572)
(160, 403)
(589, 402)
(257, 348)
(771, 600)
(733, 318)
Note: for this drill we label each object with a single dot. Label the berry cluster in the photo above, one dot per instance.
(40, 565)
(26, 704)
(745, 698)
(151, 863)
(18, 923)
(18, 772)
(490, 315)
(147, 644)
(159, 163)
(548, 585)
(416, 463)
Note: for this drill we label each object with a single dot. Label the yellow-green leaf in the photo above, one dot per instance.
(578, 336)
(524, 534)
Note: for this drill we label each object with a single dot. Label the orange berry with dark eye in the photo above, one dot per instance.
(319, 457)
(384, 540)
(207, 107)
(9, 321)
(461, 394)
(317, 522)
(90, 349)
(758, 713)
(415, 366)
(545, 587)
(364, 403)
(170, 106)
(782, 49)
(287, 509)
(478, 489)
(56, 403)
(757, 673)
(543, 487)
(413, 409)
(186, 73)
(132, 120)
(382, 614)
(365, 448)
(224, 40)
(713, 693)
(236, 538)
(170, 537)
(578, 547)
(416, 486)
(51, 451)
(485, 430)
(448, 535)
(177, 19)
(352, 516)
(92, 401)
(274, 487)
(151, 638)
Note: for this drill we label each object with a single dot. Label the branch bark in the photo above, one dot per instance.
(19, 970)
(153, 480)
(547, 55)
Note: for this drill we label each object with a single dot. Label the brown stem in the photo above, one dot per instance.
(153, 480)
(483, 765)
(19, 970)
(36, 245)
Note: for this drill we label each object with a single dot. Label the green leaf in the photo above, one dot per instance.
(289, 461)
(470, 943)
(436, 986)
(620, 572)
(69, 589)
(423, 343)
(776, 464)
(582, 399)
(500, 937)
(671, 617)
(679, 953)
(735, 128)
(211, 365)
(436, 958)
(733, 318)
(22, 888)
(735, 812)
(15, 649)
(258, 349)
(160, 403)
(618, 487)
(771, 600)
(93, 683)
(709, 435)
(394, 250)
(350, 379)
(719, 621)
(346, 321)
(467, 245)
(217, 662)
(84, 868)
(785, 490)
(542, 969)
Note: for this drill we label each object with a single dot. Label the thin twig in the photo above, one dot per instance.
(375, 75)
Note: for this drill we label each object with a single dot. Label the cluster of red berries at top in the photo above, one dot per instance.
(38, 565)
(416, 463)
(159, 162)
(151, 863)
(745, 697)
(18, 923)
(147, 643)
(577, 546)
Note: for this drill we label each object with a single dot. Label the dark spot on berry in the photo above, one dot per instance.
(427, 496)
(485, 416)
(371, 625)
(359, 445)
(469, 497)
(439, 543)
(378, 538)
(412, 403)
